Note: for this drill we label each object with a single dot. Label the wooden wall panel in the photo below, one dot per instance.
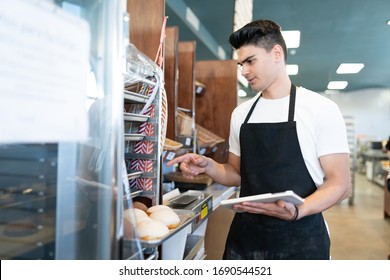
(186, 94)
(214, 107)
(146, 20)
(171, 77)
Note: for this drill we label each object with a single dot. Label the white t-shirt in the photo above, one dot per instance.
(320, 125)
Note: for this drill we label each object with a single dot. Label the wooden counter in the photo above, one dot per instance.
(219, 222)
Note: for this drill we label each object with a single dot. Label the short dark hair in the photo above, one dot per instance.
(387, 146)
(261, 33)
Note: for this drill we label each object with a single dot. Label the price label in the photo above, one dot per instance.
(170, 156)
(204, 211)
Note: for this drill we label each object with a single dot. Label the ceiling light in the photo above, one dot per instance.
(292, 38)
(192, 19)
(337, 85)
(349, 68)
(241, 93)
(292, 69)
(388, 22)
(241, 79)
(331, 91)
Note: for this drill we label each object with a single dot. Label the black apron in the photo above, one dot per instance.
(272, 161)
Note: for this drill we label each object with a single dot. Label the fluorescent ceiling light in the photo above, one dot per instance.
(337, 85)
(331, 91)
(349, 68)
(241, 93)
(192, 19)
(292, 69)
(241, 79)
(221, 53)
(292, 38)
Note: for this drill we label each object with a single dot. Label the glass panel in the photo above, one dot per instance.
(63, 200)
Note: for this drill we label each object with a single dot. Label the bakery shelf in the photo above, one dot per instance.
(186, 218)
(134, 174)
(134, 137)
(133, 96)
(130, 156)
(135, 117)
(194, 246)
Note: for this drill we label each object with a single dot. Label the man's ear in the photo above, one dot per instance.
(278, 53)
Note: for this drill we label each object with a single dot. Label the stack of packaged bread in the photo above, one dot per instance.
(154, 222)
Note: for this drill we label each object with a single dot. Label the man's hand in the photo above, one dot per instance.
(280, 209)
(190, 164)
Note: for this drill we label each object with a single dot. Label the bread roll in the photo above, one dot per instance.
(157, 208)
(151, 229)
(140, 205)
(139, 215)
(167, 216)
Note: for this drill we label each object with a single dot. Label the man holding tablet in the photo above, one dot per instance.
(285, 138)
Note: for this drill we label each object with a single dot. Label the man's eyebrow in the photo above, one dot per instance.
(246, 59)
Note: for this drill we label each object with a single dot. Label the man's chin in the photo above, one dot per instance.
(255, 89)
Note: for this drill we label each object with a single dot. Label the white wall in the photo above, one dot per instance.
(371, 110)
(369, 107)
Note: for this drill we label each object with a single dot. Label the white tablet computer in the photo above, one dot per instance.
(288, 196)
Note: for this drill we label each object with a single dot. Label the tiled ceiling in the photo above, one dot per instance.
(332, 32)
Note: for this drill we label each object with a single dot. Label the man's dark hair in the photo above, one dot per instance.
(387, 146)
(261, 33)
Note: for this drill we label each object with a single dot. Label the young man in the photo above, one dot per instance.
(285, 138)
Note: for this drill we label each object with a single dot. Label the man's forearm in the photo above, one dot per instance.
(224, 174)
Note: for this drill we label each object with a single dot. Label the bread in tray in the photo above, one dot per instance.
(198, 179)
(140, 205)
(171, 145)
(167, 216)
(155, 208)
(155, 223)
(140, 215)
(20, 229)
(151, 230)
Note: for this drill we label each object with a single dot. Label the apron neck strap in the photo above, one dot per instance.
(291, 108)
(251, 110)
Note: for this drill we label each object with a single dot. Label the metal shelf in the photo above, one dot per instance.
(351, 135)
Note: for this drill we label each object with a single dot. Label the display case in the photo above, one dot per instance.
(28, 200)
(61, 184)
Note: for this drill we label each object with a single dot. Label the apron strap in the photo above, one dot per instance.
(251, 110)
(291, 108)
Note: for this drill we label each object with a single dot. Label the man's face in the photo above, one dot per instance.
(257, 66)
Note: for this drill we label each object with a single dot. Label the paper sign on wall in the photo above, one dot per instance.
(44, 55)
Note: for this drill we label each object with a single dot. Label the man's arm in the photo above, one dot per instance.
(336, 187)
(227, 174)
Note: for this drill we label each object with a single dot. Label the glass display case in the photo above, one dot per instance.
(62, 183)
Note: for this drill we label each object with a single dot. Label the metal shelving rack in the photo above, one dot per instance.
(143, 113)
(351, 135)
(142, 117)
